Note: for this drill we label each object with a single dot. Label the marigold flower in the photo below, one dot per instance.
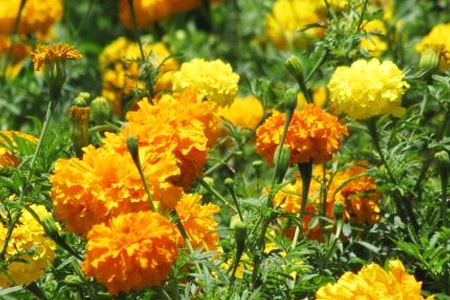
(367, 89)
(37, 15)
(214, 80)
(437, 41)
(246, 112)
(7, 157)
(29, 249)
(313, 135)
(49, 54)
(131, 251)
(373, 282)
(198, 221)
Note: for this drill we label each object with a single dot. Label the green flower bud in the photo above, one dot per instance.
(442, 158)
(281, 160)
(229, 182)
(82, 99)
(50, 228)
(338, 210)
(429, 60)
(100, 110)
(290, 99)
(240, 232)
(294, 66)
(133, 148)
(79, 128)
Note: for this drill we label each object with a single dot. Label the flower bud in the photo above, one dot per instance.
(429, 60)
(290, 99)
(100, 110)
(79, 128)
(133, 148)
(229, 182)
(281, 160)
(50, 227)
(82, 99)
(338, 210)
(240, 232)
(443, 158)
(294, 66)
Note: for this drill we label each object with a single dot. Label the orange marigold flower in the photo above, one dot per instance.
(373, 282)
(45, 54)
(9, 158)
(131, 251)
(106, 183)
(198, 221)
(313, 135)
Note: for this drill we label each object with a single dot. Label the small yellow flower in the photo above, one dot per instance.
(45, 54)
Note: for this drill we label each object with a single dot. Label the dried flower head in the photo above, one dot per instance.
(367, 89)
(131, 251)
(313, 135)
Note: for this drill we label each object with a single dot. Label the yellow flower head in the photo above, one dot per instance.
(373, 282)
(50, 54)
(7, 157)
(313, 135)
(214, 80)
(367, 89)
(198, 221)
(245, 112)
(37, 15)
(37, 251)
(131, 251)
(437, 40)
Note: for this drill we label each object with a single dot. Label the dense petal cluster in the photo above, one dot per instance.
(367, 89)
(45, 54)
(131, 251)
(9, 158)
(214, 80)
(149, 12)
(246, 112)
(437, 40)
(313, 135)
(37, 15)
(120, 69)
(29, 250)
(373, 282)
(198, 221)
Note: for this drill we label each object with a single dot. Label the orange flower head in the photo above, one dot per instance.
(313, 135)
(131, 251)
(45, 54)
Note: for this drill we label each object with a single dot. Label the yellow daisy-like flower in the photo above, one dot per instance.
(31, 250)
(374, 44)
(373, 282)
(49, 54)
(131, 251)
(7, 157)
(37, 15)
(367, 89)
(214, 80)
(245, 112)
(313, 135)
(437, 41)
(198, 221)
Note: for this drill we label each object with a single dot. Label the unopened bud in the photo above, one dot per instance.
(133, 148)
(229, 182)
(281, 160)
(240, 232)
(82, 99)
(290, 99)
(50, 228)
(79, 128)
(442, 158)
(294, 66)
(100, 110)
(429, 60)
(338, 210)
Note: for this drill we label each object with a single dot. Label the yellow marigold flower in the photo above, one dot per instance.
(198, 221)
(7, 157)
(30, 250)
(437, 41)
(374, 43)
(373, 282)
(245, 112)
(52, 54)
(37, 15)
(367, 89)
(288, 19)
(183, 125)
(131, 251)
(106, 183)
(313, 135)
(214, 80)
(120, 70)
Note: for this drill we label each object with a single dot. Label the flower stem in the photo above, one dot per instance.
(136, 28)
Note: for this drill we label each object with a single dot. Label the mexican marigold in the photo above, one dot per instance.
(8, 155)
(106, 183)
(29, 250)
(198, 221)
(367, 89)
(213, 80)
(37, 15)
(131, 251)
(120, 69)
(313, 135)
(373, 282)
(437, 41)
(246, 112)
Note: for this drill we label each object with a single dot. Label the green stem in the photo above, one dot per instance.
(136, 28)
(216, 193)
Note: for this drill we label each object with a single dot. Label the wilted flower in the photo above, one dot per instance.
(313, 135)
(9, 158)
(29, 250)
(367, 89)
(131, 251)
(373, 282)
(437, 41)
(213, 80)
(198, 221)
